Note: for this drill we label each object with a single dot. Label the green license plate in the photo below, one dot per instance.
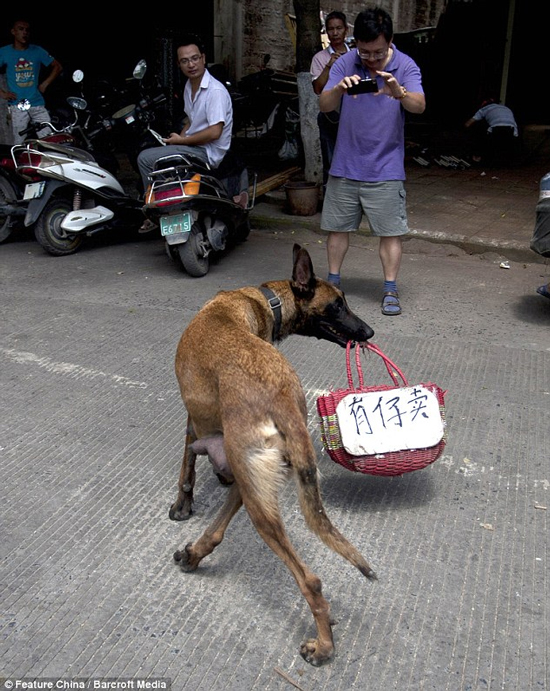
(179, 223)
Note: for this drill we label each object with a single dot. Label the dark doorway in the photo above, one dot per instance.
(108, 47)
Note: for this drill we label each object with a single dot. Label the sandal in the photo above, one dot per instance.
(543, 290)
(390, 304)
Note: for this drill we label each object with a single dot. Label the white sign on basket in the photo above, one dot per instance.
(393, 420)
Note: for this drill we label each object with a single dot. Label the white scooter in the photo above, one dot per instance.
(70, 196)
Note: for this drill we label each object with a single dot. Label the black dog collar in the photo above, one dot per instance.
(275, 303)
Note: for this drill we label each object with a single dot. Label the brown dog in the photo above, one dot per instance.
(247, 411)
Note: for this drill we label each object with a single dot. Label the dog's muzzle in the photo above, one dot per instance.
(361, 333)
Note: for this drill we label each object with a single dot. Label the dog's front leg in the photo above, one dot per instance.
(182, 508)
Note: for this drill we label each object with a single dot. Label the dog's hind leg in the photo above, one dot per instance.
(260, 474)
(190, 557)
(182, 508)
(317, 650)
(271, 528)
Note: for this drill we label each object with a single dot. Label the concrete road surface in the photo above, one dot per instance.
(91, 439)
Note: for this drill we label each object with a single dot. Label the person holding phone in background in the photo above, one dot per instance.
(368, 171)
(336, 27)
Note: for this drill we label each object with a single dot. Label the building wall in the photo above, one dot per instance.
(252, 28)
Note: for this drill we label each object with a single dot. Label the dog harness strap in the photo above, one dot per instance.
(275, 303)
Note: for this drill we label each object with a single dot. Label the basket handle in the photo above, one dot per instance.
(393, 369)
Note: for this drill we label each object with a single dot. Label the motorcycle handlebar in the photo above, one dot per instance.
(31, 128)
(35, 126)
(149, 104)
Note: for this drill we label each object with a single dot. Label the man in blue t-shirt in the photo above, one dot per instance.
(22, 61)
(367, 171)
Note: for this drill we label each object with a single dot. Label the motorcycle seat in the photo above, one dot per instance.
(229, 180)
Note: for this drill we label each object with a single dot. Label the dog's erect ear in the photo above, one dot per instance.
(303, 277)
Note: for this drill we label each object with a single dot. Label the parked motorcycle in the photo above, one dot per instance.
(141, 107)
(70, 196)
(69, 193)
(200, 211)
(11, 194)
(13, 202)
(265, 114)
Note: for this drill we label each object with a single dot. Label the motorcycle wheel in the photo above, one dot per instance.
(48, 231)
(191, 253)
(7, 196)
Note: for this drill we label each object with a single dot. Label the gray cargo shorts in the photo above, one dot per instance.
(382, 203)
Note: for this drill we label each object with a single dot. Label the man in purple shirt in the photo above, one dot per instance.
(368, 170)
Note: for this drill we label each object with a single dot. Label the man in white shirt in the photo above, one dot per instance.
(207, 131)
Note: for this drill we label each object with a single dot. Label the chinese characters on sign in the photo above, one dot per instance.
(392, 420)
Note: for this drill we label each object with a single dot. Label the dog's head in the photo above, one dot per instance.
(322, 308)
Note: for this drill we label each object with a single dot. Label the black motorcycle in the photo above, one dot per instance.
(142, 109)
(200, 211)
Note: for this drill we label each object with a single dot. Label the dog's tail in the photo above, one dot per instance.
(316, 518)
(303, 461)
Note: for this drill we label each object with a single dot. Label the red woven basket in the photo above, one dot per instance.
(389, 463)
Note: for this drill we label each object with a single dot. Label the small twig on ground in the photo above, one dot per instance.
(289, 679)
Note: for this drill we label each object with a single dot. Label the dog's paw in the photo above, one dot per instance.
(184, 559)
(180, 512)
(315, 653)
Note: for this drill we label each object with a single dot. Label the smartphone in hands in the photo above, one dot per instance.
(365, 86)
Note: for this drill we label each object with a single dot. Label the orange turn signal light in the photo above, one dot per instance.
(192, 187)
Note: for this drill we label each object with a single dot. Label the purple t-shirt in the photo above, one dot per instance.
(371, 141)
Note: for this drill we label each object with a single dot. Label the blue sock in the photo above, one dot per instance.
(334, 279)
(390, 285)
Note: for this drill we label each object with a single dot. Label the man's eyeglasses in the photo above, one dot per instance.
(372, 56)
(193, 59)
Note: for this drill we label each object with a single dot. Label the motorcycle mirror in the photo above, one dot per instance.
(24, 104)
(140, 69)
(77, 103)
(78, 76)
